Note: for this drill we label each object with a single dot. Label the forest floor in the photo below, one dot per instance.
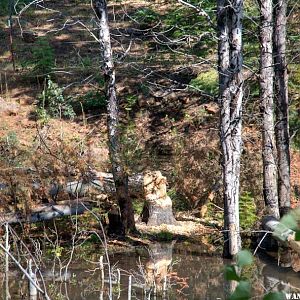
(167, 97)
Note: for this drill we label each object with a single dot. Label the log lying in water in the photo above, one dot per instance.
(46, 212)
(281, 233)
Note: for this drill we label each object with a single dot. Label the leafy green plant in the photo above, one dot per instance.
(138, 205)
(43, 57)
(131, 100)
(146, 16)
(42, 115)
(206, 82)
(248, 214)
(179, 202)
(243, 290)
(288, 223)
(54, 103)
(92, 100)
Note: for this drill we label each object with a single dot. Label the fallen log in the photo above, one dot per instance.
(281, 233)
(46, 212)
(150, 187)
(103, 183)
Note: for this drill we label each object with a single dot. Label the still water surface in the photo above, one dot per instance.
(176, 272)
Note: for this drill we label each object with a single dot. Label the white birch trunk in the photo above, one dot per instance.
(113, 126)
(230, 14)
(282, 107)
(267, 106)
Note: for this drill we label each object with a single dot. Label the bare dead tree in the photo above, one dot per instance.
(113, 124)
(267, 108)
(282, 106)
(230, 14)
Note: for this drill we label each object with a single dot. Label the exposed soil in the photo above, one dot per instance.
(167, 126)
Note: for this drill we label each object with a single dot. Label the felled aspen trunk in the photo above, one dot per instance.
(286, 237)
(46, 212)
(103, 183)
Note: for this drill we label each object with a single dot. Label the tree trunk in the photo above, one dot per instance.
(267, 106)
(282, 107)
(113, 126)
(230, 15)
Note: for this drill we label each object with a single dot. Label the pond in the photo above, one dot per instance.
(159, 271)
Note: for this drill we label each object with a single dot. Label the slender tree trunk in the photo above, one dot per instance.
(267, 107)
(230, 14)
(282, 106)
(120, 177)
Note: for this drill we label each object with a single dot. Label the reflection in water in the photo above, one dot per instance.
(163, 271)
(157, 266)
(278, 279)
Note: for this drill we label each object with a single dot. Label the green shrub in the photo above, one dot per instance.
(43, 58)
(138, 205)
(206, 82)
(179, 202)
(90, 101)
(146, 16)
(248, 215)
(184, 22)
(54, 103)
(131, 100)
(4, 6)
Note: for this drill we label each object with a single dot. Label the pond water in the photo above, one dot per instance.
(173, 270)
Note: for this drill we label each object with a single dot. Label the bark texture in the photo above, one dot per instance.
(267, 107)
(120, 177)
(230, 14)
(282, 107)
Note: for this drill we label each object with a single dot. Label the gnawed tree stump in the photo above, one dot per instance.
(158, 205)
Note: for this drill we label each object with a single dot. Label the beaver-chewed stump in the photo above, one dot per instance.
(158, 205)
